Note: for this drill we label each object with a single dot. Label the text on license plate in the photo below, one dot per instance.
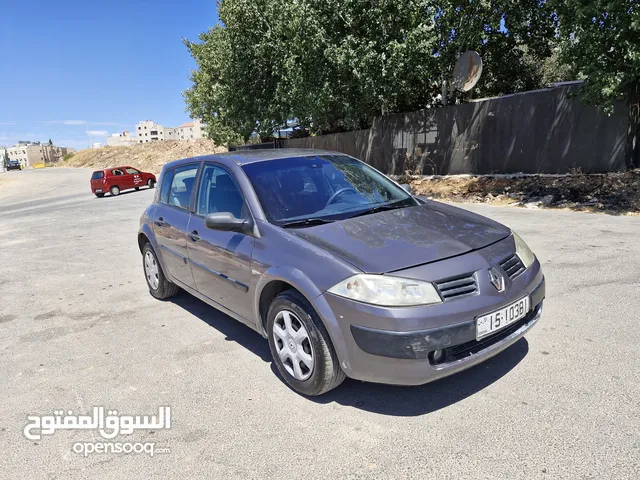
(495, 321)
(98, 190)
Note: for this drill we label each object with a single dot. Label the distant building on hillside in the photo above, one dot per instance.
(31, 154)
(191, 130)
(124, 139)
(149, 131)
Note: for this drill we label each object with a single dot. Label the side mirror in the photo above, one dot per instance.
(227, 222)
(406, 187)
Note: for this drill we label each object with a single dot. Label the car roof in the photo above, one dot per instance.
(244, 157)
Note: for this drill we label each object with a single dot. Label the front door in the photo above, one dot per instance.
(171, 221)
(134, 177)
(221, 261)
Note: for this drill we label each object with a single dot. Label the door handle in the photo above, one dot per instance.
(160, 222)
(194, 236)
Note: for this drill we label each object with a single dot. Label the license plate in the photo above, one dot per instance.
(488, 324)
(98, 190)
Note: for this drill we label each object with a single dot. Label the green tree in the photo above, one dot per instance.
(336, 64)
(600, 40)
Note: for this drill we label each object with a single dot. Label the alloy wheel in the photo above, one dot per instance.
(293, 345)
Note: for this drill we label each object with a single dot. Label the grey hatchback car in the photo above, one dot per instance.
(340, 268)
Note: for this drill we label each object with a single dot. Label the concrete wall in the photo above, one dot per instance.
(546, 131)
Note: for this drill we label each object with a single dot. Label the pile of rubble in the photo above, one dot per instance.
(149, 157)
(608, 192)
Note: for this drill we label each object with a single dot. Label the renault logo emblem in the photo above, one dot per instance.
(496, 279)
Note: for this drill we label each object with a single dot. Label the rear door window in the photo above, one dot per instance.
(97, 175)
(117, 171)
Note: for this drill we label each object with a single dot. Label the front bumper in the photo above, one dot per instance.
(394, 345)
(419, 344)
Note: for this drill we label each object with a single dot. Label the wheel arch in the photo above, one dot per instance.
(275, 281)
(145, 235)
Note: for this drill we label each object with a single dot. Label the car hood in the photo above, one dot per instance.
(396, 239)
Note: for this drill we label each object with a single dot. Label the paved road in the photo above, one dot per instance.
(78, 328)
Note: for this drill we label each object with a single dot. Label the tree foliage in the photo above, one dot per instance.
(336, 64)
(600, 41)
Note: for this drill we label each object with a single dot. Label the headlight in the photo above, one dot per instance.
(523, 251)
(387, 291)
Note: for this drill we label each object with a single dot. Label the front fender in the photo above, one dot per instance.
(293, 276)
(301, 282)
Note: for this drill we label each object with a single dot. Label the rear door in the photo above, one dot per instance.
(118, 178)
(221, 261)
(171, 221)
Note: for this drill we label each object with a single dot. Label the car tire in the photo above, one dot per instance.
(159, 286)
(115, 191)
(99, 195)
(318, 350)
(151, 183)
(137, 188)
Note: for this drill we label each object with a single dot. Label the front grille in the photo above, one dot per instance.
(467, 349)
(457, 286)
(513, 266)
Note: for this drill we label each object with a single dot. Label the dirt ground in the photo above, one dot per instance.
(615, 193)
(149, 157)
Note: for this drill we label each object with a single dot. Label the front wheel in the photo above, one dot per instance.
(115, 191)
(151, 183)
(159, 286)
(300, 345)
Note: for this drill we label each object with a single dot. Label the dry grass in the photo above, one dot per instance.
(149, 157)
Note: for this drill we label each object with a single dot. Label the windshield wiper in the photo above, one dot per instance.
(381, 208)
(306, 222)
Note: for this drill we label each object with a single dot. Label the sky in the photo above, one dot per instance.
(72, 66)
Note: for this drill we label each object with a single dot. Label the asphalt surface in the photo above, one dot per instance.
(78, 329)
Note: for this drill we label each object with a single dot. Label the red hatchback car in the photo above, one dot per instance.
(114, 180)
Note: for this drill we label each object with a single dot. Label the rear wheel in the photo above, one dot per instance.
(115, 191)
(99, 195)
(137, 188)
(151, 183)
(159, 286)
(300, 345)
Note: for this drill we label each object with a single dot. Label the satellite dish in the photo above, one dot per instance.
(467, 71)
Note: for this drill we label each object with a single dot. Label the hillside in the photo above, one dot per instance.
(149, 157)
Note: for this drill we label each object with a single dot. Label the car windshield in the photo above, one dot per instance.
(322, 188)
(97, 175)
